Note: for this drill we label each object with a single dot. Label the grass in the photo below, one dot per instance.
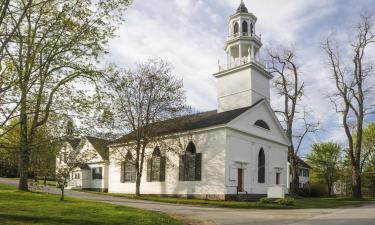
(40, 182)
(304, 203)
(41, 208)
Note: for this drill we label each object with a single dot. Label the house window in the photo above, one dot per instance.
(244, 27)
(262, 124)
(97, 173)
(77, 176)
(128, 169)
(300, 172)
(261, 166)
(156, 166)
(190, 168)
(307, 173)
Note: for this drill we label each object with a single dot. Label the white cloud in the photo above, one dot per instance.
(190, 34)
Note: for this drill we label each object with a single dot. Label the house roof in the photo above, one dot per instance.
(302, 163)
(74, 142)
(100, 145)
(191, 122)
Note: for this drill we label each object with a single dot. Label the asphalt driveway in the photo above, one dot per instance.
(364, 215)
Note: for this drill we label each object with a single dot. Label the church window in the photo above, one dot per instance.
(261, 166)
(156, 166)
(244, 27)
(190, 167)
(262, 124)
(251, 29)
(128, 170)
(235, 28)
(277, 178)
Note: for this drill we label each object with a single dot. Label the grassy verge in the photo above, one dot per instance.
(304, 203)
(39, 182)
(41, 208)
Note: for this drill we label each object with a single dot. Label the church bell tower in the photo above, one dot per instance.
(243, 80)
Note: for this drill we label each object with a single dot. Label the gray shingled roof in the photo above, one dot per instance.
(74, 142)
(191, 122)
(302, 163)
(100, 145)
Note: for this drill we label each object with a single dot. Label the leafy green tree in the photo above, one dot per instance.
(325, 160)
(368, 163)
(56, 47)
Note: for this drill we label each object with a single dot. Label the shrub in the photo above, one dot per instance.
(286, 201)
(265, 200)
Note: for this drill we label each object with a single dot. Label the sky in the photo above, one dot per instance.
(190, 35)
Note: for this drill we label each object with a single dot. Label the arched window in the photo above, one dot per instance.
(235, 28)
(261, 166)
(190, 168)
(128, 170)
(262, 124)
(156, 166)
(251, 29)
(244, 27)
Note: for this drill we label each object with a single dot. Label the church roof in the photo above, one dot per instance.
(191, 122)
(242, 8)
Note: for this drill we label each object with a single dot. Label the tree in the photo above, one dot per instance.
(290, 87)
(325, 160)
(58, 42)
(71, 160)
(351, 98)
(143, 97)
(368, 159)
(44, 151)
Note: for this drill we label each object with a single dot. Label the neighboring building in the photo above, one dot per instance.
(304, 174)
(238, 148)
(93, 174)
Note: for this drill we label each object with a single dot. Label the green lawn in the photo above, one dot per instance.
(42, 208)
(304, 203)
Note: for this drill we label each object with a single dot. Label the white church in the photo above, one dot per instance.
(240, 149)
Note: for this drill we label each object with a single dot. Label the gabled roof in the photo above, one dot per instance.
(191, 122)
(100, 145)
(74, 142)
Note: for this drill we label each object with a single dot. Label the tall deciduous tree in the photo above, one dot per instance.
(57, 42)
(290, 87)
(352, 93)
(325, 160)
(143, 97)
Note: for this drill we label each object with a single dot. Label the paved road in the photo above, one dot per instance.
(225, 216)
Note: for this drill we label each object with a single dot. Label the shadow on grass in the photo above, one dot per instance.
(11, 218)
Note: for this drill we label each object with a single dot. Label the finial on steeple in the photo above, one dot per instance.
(242, 8)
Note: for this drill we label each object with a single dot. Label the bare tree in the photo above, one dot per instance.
(290, 87)
(352, 93)
(143, 97)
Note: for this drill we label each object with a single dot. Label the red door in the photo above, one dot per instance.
(240, 180)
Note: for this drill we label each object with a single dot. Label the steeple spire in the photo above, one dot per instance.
(242, 8)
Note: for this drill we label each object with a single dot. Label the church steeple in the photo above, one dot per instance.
(243, 80)
(242, 43)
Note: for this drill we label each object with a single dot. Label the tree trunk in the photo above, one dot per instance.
(62, 193)
(356, 182)
(24, 151)
(138, 185)
(295, 175)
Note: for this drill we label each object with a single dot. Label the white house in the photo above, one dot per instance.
(303, 175)
(93, 174)
(240, 148)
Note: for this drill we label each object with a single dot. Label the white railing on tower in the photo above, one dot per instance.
(240, 62)
(244, 34)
